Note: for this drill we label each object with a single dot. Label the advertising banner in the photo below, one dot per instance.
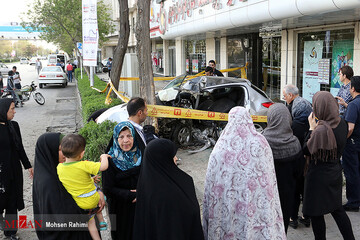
(324, 71)
(342, 56)
(195, 66)
(90, 32)
(312, 55)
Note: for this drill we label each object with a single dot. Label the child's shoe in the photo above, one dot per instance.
(103, 226)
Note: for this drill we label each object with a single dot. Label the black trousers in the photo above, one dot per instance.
(286, 174)
(11, 214)
(342, 221)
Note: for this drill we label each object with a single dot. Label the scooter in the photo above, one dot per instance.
(26, 92)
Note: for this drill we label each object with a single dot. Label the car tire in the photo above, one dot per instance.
(260, 127)
(63, 85)
(181, 135)
(41, 85)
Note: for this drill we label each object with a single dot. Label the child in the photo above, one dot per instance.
(75, 176)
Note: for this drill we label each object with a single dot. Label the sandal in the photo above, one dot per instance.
(103, 226)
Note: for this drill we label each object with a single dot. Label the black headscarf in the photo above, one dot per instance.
(166, 204)
(50, 198)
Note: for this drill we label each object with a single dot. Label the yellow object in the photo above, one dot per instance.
(76, 179)
(186, 113)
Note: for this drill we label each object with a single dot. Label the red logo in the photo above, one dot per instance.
(188, 113)
(177, 111)
(211, 114)
(154, 111)
(222, 116)
(22, 223)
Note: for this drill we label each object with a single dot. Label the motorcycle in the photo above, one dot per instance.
(26, 92)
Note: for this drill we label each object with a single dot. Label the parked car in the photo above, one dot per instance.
(52, 75)
(217, 94)
(24, 61)
(4, 69)
(32, 61)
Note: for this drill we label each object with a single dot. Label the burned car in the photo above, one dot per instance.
(216, 94)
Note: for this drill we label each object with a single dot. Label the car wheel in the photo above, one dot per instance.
(260, 126)
(39, 98)
(181, 135)
(63, 85)
(41, 85)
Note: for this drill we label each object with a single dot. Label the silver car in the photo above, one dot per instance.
(52, 75)
(216, 94)
(4, 69)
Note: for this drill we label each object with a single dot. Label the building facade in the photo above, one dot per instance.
(301, 42)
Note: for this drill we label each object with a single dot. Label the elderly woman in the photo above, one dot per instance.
(323, 180)
(241, 199)
(120, 180)
(287, 153)
(51, 201)
(11, 175)
(166, 208)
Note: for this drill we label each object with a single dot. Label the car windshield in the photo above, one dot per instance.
(176, 82)
(52, 60)
(193, 84)
(52, 69)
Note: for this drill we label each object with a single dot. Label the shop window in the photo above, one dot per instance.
(157, 59)
(195, 56)
(239, 53)
(320, 56)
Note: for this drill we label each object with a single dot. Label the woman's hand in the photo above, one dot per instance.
(31, 172)
(312, 121)
(101, 201)
(96, 178)
(133, 201)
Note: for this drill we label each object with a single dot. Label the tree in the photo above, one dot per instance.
(143, 51)
(60, 21)
(120, 50)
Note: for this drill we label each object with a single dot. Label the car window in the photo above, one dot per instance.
(176, 82)
(192, 84)
(52, 60)
(52, 69)
(259, 91)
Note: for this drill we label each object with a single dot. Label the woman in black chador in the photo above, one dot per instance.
(166, 208)
(51, 201)
(12, 156)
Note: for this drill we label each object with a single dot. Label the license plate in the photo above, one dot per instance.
(51, 75)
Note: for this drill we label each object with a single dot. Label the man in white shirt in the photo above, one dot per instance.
(38, 66)
(137, 110)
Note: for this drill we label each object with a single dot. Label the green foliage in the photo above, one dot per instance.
(92, 100)
(97, 138)
(97, 135)
(60, 21)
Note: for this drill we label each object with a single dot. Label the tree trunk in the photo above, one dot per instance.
(143, 51)
(120, 50)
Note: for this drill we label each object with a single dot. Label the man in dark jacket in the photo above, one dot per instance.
(215, 71)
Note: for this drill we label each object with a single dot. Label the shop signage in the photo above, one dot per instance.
(312, 55)
(169, 13)
(324, 71)
(342, 55)
(90, 32)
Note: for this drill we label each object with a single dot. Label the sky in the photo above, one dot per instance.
(12, 9)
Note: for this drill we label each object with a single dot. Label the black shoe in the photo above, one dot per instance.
(305, 221)
(350, 208)
(293, 223)
(13, 237)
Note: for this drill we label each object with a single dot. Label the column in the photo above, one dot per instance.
(180, 57)
(356, 67)
(210, 50)
(166, 58)
(288, 58)
(223, 54)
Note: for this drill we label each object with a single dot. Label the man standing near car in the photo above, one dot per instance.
(38, 65)
(69, 70)
(16, 78)
(109, 65)
(215, 71)
(137, 110)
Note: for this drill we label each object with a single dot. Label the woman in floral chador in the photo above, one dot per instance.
(241, 199)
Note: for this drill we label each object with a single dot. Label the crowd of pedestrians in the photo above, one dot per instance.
(254, 183)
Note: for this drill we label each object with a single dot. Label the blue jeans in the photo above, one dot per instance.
(351, 165)
(69, 75)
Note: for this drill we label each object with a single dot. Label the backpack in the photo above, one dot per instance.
(69, 67)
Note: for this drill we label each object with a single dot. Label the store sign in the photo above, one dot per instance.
(342, 55)
(312, 55)
(90, 32)
(170, 13)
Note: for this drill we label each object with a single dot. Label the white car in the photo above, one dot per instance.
(33, 61)
(4, 69)
(24, 61)
(52, 75)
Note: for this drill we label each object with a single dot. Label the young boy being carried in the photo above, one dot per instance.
(75, 175)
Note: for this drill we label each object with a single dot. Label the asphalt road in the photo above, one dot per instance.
(59, 113)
